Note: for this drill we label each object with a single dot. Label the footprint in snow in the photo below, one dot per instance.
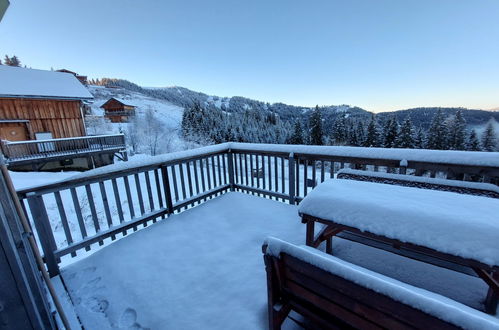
(96, 304)
(128, 320)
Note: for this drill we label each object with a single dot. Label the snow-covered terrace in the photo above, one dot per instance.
(41, 151)
(199, 261)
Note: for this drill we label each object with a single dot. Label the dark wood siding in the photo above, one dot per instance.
(61, 118)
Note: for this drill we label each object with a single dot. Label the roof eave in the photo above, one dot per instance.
(72, 98)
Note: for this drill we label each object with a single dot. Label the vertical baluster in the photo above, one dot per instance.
(269, 174)
(138, 189)
(201, 171)
(208, 176)
(224, 166)
(331, 170)
(323, 171)
(79, 216)
(130, 200)
(241, 169)
(263, 172)
(182, 181)
(291, 178)
(45, 233)
(314, 174)
(196, 177)
(64, 220)
(305, 177)
(251, 171)
(219, 167)
(93, 211)
(297, 176)
(236, 169)
(246, 169)
(174, 178)
(105, 202)
(215, 184)
(276, 176)
(283, 176)
(149, 193)
(117, 200)
(167, 189)
(189, 179)
(231, 167)
(158, 190)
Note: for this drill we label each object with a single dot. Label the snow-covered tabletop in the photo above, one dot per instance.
(462, 225)
(426, 301)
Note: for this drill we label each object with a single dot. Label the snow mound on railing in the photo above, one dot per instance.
(473, 158)
(151, 160)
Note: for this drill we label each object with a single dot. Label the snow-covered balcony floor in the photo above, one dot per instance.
(203, 268)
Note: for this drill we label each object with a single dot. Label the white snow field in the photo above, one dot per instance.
(203, 269)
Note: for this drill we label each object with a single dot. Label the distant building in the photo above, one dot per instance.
(39, 104)
(42, 124)
(118, 110)
(82, 79)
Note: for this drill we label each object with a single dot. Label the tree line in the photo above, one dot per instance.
(204, 125)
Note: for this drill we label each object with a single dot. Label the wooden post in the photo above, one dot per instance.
(44, 230)
(230, 156)
(166, 187)
(291, 178)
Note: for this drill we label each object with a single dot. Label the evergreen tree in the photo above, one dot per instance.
(419, 141)
(437, 134)
(405, 139)
(297, 136)
(339, 132)
(489, 138)
(457, 132)
(473, 143)
(315, 124)
(372, 136)
(360, 133)
(390, 132)
(12, 61)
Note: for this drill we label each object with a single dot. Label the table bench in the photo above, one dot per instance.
(446, 223)
(334, 294)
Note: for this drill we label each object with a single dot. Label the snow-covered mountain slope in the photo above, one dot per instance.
(169, 114)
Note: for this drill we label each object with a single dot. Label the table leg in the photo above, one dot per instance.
(310, 233)
(492, 297)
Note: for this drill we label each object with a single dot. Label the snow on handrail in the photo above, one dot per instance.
(89, 137)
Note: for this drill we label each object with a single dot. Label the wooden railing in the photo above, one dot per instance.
(120, 113)
(105, 204)
(32, 149)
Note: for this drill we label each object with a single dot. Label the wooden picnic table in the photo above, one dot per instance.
(421, 224)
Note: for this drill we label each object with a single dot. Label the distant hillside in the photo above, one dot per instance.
(183, 97)
(421, 117)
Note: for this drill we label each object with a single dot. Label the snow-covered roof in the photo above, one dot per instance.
(30, 83)
(122, 101)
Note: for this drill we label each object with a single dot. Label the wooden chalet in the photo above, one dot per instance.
(39, 105)
(118, 110)
(82, 79)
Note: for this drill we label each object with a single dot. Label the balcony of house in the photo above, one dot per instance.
(91, 150)
(176, 241)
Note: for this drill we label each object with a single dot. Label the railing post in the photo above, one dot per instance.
(166, 187)
(230, 157)
(291, 178)
(44, 230)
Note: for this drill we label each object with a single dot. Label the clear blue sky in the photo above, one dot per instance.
(379, 54)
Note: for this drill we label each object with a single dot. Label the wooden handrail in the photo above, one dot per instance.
(170, 183)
